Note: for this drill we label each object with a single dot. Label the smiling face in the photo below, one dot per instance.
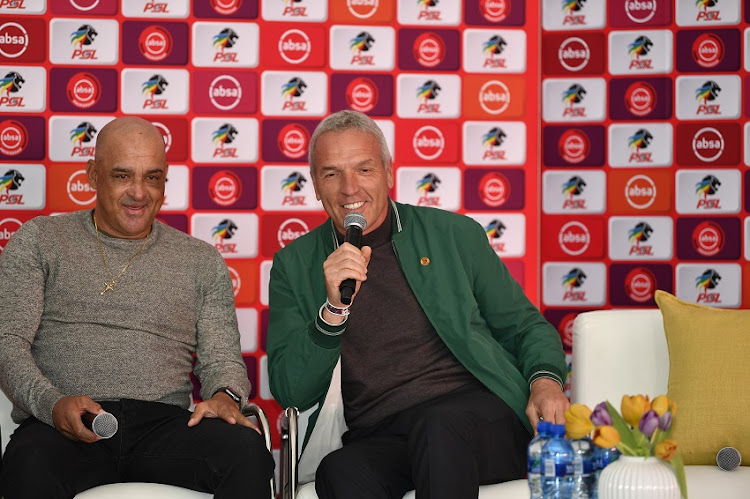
(350, 176)
(129, 174)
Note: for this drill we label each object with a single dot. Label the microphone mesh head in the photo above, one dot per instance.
(104, 425)
(728, 459)
(355, 218)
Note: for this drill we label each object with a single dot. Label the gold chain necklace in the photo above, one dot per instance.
(110, 286)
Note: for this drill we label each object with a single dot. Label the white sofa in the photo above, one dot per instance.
(132, 490)
(616, 352)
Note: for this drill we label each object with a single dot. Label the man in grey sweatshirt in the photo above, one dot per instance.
(105, 310)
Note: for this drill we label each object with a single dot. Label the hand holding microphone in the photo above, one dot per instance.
(80, 418)
(355, 224)
(103, 425)
(345, 268)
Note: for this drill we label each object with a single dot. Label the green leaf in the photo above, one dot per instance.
(626, 435)
(679, 472)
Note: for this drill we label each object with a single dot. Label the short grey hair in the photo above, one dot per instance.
(349, 120)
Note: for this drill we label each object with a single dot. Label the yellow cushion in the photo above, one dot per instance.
(709, 377)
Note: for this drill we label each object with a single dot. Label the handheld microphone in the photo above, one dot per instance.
(103, 425)
(728, 459)
(355, 223)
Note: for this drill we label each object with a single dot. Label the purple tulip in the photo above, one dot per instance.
(600, 416)
(666, 421)
(649, 422)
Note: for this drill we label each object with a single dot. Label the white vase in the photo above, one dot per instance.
(632, 477)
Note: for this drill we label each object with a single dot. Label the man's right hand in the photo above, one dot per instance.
(345, 263)
(66, 415)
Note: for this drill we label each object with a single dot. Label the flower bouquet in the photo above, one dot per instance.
(643, 429)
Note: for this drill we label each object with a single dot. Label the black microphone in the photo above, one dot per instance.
(355, 223)
(728, 459)
(104, 425)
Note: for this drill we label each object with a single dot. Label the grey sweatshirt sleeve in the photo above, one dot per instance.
(219, 360)
(22, 283)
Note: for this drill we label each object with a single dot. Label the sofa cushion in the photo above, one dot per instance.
(709, 369)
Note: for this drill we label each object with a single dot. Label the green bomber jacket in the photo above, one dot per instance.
(467, 293)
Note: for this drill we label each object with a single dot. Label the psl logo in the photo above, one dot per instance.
(225, 230)
(495, 230)
(709, 91)
(12, 4)
(574, 187)
(492, 139)
(426, 185)
(640, 234)
(156, 7)
(222, 137)
(11, 83)
(361, 43)
(492, 49)
(11, 181)
(572, 9)
(573, 96)
(292, 11)
(637, 142)
(427, 11)
(84, 35)
(708, 186)
(428, 91)
(156, 85)
(573, 280)
(705, 14)
(226, 39)
(291, 184)
(291, 89)
(639, 48)
(709, 279)
(84, 133)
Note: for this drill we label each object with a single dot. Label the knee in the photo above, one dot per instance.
(246, 447)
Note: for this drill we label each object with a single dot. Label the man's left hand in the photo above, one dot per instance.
(221, 406)
(547, 401)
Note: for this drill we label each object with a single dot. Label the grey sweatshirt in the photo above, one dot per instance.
(59, 336)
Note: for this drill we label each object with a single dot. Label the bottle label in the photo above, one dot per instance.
(535, 465)
(557, 469)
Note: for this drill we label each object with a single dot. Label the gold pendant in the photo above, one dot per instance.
(108, 288)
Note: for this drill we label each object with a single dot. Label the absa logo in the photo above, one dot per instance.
(155, 43)
(14, 40)
(226, 7)
(429, 49)
(428, 142)
(640, 284)
(494, 189)
(225, 92)
(13, 137)
(494, 97)
(494, 10)
(83, 90)
(294, 46)
(290, 230)
(708, 50)
(640, 192)
(574, 146)
(708, 144)
(362, 9)
(293, 140)
(225, 187)
(574, 53)
(708, 238)
(362, 94)
(236, 280)
(79, 190)
(574, 238)
(166, 133)
(640, 98)
(640, 11)
(8, 227)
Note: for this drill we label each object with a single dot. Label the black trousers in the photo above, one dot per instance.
(153, 444)
(444, 448)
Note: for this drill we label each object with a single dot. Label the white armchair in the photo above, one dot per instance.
(130, 490)
(624, 352)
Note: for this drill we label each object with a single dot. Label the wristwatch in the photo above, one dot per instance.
(232, 394)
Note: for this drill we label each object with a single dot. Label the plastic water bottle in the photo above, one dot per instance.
(583, 468)
(535, 459)
(602, 457)
(557, 459)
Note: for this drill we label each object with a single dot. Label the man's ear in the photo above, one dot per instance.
(91, 172)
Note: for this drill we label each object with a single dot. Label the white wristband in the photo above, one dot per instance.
(340, 312)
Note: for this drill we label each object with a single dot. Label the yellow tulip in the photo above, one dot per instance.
(633, 408)
(606, 437)
(660, 404)
(666, 449)
(578, 421)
